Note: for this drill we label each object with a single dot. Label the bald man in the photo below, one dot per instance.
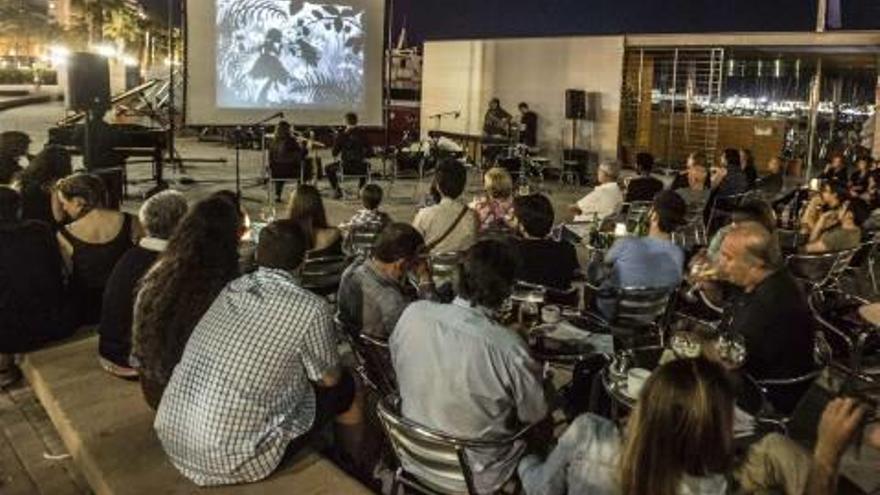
(771, 313)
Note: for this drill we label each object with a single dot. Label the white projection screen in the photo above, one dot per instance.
(315, 61)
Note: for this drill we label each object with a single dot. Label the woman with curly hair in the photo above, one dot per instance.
(201, 257)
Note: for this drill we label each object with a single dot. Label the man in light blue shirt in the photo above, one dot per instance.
(653, 261)
(461, 372)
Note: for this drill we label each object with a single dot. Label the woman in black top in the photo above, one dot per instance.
(159, 215)
(92, 242)
(35, 183)
(201, 258)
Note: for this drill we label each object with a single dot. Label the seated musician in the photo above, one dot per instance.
(352, 150)
(528, 126)
(649, 262)
(839, 230)
(771, 312)
(496, 125)
(604, 200)
(544, 261)
(286, 158)
(830, 197)
(644, 186)
(461, 372)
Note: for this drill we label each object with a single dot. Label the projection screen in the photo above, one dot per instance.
(247, 59)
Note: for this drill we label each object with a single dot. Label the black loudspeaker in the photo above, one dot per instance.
(575, 104)
(88, 81)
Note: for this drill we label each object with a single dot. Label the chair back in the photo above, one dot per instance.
(820, 270)
(690, 235)
(322, 275)
(432, 460)
(445, 267)
(638, 307)
(362, 237)
(372, 357)
(635, 213)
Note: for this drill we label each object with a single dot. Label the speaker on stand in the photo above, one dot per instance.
(575, 160)
(88, 91)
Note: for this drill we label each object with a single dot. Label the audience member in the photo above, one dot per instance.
(643, 187)
(835, 171)
(463, 373)
(371, 199)
(679, 440)
(749, 210)
(728, 178)
(37, 181)
(307, 210)
(604, 200)
(858, 181)
(286, 158)
(747, 161)
(772, 183)
(373, 293)
(93, 240)
(13, 147)
(159, 216)
(200, 259)
(695, 192)
(653, 261)
(830, 198)
(495, 208)
(841, 229)
(33, 304)
(771, 313)
(448, 225)
(352, 149)
(259, 374)
(682, 179)
(545, 261)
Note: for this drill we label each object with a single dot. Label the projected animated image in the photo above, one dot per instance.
(287, 53)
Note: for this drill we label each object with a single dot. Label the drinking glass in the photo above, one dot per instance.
(731, 349)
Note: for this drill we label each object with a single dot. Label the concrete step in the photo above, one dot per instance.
(108, 429)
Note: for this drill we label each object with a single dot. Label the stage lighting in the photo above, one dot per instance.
(129, 61)
(108, 51)
(58, 54)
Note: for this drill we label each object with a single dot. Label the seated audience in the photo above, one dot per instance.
(682, 179)
(604, 200)
(461, 372)
(448, 225)
(749, 210)
(200, 259)
(728, 178)
(92, 241)
(286, 158)
(835, 171)
(543, 261)
(772, 183)
(307, 210)
(159, 216)
(771, 313)
(679, 440)
(260, 372)
(37, 181)
(858, 181)
(13, 147)
(495, 208)
(371, 198)
(653, 261)
(643, 187)
(373, 293)
(838, 230)
(830, 198)
(695, 191)
(33, 302)
(747, 160)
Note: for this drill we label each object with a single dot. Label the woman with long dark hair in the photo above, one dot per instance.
(307, 209)
(678, 441)
(201, 257)
(37, 180)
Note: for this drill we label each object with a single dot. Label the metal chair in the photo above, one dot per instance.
(820, 270)
(722, 207)
(322, 275)
(372, 357)
(691, 235)
(865, 258)
(639, 314)
(836, 312)
(361, 238)
(635, 213)
(431, 462)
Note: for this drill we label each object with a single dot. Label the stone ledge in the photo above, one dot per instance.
(108, 429)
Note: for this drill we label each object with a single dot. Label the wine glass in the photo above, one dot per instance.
(731, 349)
(685, 345)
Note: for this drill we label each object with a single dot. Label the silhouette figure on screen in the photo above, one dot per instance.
(268, 65)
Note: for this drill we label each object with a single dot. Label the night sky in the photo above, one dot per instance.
(438, 19)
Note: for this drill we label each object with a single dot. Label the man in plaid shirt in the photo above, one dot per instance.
(259, 373)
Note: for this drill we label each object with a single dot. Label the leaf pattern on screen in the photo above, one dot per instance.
(288, 53)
